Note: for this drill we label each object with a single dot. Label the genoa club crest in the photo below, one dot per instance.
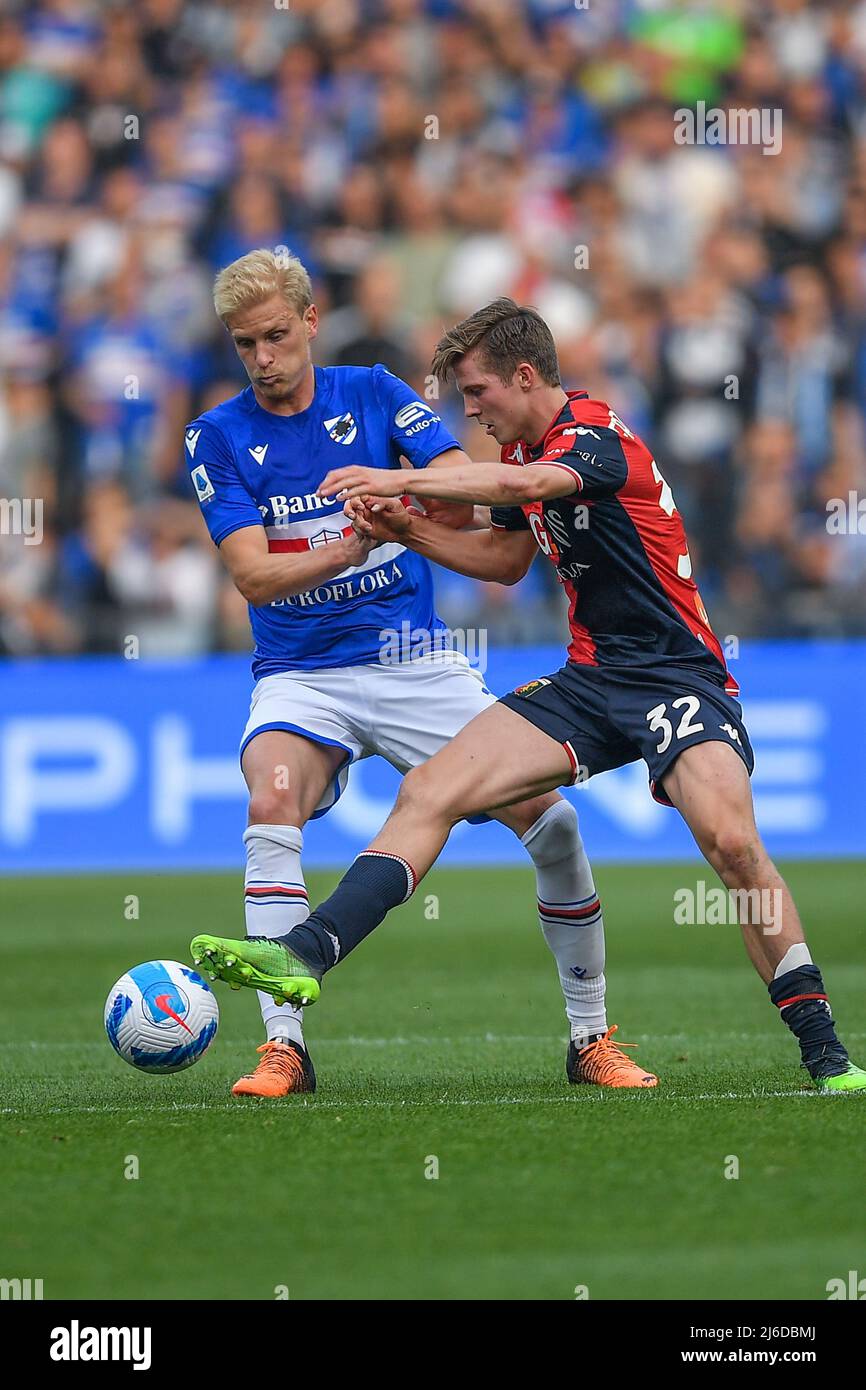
(531, 686)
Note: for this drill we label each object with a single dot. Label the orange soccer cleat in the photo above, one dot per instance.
(603, 1063)
(285, 1069)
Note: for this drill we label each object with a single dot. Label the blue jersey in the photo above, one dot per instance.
(251, 467)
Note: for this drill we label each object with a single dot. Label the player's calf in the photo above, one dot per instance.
(709, 786)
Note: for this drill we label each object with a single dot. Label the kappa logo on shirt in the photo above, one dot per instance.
(583, 429)
(342, 428)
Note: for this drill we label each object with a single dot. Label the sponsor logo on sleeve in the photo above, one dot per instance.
(415, 417)
(204, 488)
(192, 440)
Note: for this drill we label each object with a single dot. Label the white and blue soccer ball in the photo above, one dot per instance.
(161, 1016)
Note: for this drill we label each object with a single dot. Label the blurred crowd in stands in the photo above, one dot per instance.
(423, 157)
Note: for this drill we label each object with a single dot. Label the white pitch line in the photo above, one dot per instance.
(469, 1039)
(349, 1041)
(145, 1110)
(190, 1106)
(755, 1095)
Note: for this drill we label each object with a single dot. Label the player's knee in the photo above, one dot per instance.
(553, 836)
(413, 790)
(735, 849)
(273, 806)
(423, 794)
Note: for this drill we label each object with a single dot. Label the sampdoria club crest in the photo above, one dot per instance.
(342, 429)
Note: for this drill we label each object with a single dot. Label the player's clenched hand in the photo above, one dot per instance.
(456, 515)
(347, 483)
(356, 511)
(357, 546)
(387, 517)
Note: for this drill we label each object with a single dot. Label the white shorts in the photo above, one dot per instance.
(405, 712)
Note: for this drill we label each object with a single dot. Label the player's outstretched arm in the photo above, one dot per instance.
(262, 577)
(489, 484)
(492, 554)
(458, 515)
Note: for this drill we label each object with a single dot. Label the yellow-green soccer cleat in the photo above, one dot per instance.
(852, 1079)
(260, 964)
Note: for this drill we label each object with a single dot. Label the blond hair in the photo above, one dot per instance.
(258, 275)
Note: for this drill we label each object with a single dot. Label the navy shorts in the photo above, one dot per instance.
(606, 716)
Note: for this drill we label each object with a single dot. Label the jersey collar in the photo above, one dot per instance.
(320, 383)
(534, 451)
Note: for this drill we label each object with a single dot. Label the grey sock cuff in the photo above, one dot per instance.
(554, 836)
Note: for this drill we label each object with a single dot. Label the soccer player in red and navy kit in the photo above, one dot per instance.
(645, 675)
(324, 606)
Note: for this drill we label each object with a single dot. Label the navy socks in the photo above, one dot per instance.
(800, 997)
(362, 899)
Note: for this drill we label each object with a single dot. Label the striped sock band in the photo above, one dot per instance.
(275, 900)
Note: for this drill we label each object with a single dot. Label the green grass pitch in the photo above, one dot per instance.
(440, 1038)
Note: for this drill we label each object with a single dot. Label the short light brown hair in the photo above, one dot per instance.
(507, 333)
(258, 275)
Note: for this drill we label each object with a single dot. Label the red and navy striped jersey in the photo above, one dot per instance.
(618, 545)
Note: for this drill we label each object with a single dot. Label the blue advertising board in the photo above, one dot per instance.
(110, 764)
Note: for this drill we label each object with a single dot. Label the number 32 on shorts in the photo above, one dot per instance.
(660, 724)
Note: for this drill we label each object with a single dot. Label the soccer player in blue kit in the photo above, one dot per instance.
(324, 604)
(645, 675)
